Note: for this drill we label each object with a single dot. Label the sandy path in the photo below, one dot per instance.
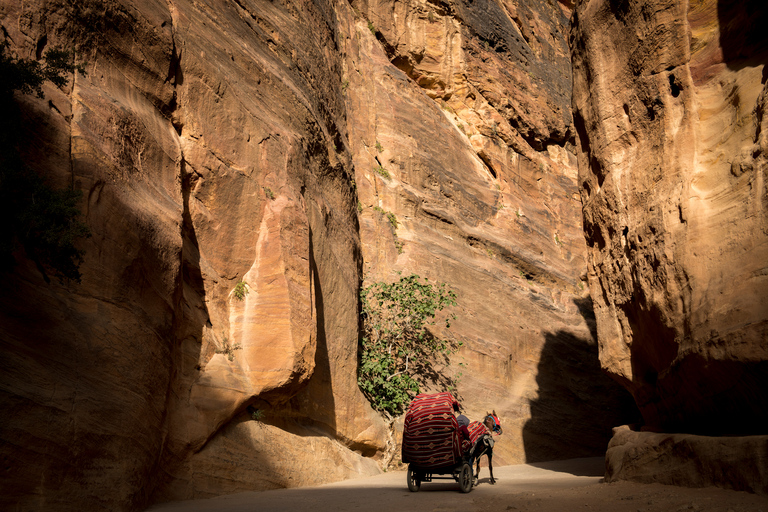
(573, 485)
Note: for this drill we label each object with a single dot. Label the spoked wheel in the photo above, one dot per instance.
(465, 478)
(414, 482)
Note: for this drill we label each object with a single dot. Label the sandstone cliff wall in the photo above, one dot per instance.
(225, 142)
(466, 108)
(669, 100)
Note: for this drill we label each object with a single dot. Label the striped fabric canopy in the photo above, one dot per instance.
(430, 433)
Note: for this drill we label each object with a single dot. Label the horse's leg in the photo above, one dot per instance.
(477, 471)
(490, 465)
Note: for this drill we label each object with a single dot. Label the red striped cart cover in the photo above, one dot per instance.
(430, 432)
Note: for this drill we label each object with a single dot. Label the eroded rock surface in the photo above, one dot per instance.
(669, 99)
(460, 127)
(258, 146)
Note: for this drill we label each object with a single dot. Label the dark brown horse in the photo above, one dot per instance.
(484, 445)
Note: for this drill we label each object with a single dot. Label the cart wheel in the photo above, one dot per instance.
(414, 482)
(465, 478)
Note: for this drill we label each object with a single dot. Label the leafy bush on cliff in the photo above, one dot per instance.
(398, 349)
(40, 219)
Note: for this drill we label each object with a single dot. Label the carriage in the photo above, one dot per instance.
(432, 444)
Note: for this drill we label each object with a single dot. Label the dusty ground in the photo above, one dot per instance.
(572, 485)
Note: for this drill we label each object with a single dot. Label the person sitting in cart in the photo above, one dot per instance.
(463, 422)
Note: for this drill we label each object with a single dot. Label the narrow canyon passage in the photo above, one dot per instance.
(589, 177)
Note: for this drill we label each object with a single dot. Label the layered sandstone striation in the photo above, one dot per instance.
(238, 161)
(460, 126)
(669, 100)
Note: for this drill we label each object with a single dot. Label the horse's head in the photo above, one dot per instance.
(492, 422)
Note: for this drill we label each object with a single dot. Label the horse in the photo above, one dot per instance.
(484, 445)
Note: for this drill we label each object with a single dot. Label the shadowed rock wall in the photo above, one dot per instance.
(669, 100)
(208, 139)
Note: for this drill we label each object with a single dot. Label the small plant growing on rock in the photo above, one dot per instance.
(379, 147)
(228, 350)
(241, 290)
(268, 192)
(381, 171)
(372, 27)
(392, 219)
(398, 349)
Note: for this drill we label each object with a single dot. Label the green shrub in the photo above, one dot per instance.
(241, 290)
(392, 219)
(398, 350)
(381, 171)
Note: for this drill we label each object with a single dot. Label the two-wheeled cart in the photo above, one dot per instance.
(432, 444)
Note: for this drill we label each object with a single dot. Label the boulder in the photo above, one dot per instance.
(738, 463)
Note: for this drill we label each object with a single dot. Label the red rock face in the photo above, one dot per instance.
(258, 146)
(478, 172)
(669, 100)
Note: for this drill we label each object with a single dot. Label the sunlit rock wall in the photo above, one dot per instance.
(460, 126)
(669, 100)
